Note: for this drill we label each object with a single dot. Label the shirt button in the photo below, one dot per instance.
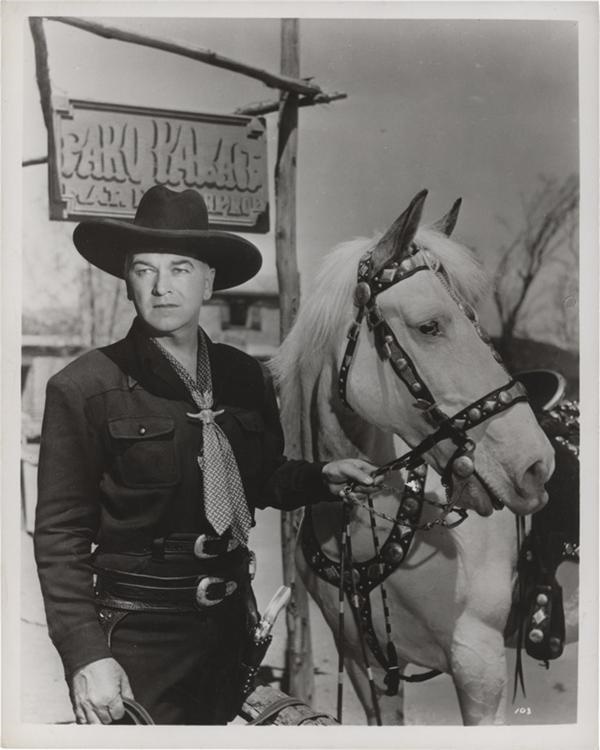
(142, 430)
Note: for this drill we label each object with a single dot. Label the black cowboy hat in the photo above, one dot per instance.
(170, 222)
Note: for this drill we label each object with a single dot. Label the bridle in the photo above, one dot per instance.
(355, 580)
(455, 428)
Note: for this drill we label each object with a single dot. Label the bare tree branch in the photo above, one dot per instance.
(550, 221)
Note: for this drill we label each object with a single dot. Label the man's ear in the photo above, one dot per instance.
(209, 281)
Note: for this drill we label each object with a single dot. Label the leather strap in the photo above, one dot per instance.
(275, 708)
(136, 712)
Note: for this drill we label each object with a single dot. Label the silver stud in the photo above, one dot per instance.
(362, 294)
(554, 644)
(536, 635)
(489, 405)
(406, 266)
(474, 414)
(542, 599)
(463, 467)
(400, 363)
(416, 387)
(504, 397)
(460, 423)
(142, 430)
(393, 553)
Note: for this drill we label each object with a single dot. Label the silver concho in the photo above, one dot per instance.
(463, 467)
(362, 294)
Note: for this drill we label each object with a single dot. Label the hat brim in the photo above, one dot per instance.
(106, 243)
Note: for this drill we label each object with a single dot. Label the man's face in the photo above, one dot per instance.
(168, 290)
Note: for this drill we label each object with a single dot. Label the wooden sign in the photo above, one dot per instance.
(107, 155)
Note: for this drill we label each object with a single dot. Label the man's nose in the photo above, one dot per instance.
(162, 284)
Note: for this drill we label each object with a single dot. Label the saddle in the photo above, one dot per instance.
(536, 621)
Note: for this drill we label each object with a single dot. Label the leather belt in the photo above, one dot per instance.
(138, 592)
(202, 546)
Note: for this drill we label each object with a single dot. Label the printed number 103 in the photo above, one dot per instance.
(523, 710)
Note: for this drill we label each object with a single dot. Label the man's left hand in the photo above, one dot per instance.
(337, 474)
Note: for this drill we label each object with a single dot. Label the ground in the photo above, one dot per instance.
(551, 694)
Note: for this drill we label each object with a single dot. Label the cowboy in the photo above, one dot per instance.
(155, 452)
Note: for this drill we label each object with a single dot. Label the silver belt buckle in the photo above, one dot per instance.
(206, 598)
(204, 540)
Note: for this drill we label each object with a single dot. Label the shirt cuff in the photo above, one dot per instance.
(83, 646)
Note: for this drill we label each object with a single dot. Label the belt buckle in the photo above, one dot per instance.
(212, 590)
(203, 543)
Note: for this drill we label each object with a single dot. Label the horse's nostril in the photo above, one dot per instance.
(535, 477)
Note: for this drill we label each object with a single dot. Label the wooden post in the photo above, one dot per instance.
(298, 677)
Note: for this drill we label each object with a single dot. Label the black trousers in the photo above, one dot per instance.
(183, 667)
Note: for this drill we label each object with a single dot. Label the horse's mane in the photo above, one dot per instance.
(328, 306)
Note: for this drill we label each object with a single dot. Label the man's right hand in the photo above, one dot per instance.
(97, 692)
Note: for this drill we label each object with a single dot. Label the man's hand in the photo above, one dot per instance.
(338, 474)
(97, 691)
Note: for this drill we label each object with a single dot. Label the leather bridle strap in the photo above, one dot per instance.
(388, 348)
(455, 428)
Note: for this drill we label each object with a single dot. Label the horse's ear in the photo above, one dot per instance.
(395, 243)
(446, 224)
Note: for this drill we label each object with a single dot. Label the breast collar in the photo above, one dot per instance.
(389, 349)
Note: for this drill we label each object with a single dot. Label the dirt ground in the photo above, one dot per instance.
(551, 694)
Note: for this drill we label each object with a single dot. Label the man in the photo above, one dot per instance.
(155, 452)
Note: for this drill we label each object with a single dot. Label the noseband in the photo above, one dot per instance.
(454, 428)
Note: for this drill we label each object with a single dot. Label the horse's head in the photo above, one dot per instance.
(418, 364)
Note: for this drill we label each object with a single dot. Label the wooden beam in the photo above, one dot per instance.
(33, 162)
(42, 69)
(283, 82)
(265, 108)
(42, 74)
(298, 676)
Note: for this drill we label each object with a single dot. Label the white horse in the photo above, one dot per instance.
(450, 597)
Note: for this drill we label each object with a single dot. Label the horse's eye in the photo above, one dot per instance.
(431, 328)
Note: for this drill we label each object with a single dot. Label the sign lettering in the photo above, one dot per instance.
(107, 156)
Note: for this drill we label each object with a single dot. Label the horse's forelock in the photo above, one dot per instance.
(328, 306)
(460, 263)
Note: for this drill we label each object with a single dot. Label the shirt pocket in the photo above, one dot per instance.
(144, 451)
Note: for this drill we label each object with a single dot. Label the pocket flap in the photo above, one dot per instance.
(140, 428)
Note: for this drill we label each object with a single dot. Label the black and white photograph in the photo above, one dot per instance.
(300, 374)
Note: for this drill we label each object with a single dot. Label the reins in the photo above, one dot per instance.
(461, 464)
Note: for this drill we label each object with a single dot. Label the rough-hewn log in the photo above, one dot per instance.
(298, 677)
(283, 82)
(42, 74)
(33, 162)
(265, 108)
(266, 697)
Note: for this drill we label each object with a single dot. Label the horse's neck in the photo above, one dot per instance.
(318, 427)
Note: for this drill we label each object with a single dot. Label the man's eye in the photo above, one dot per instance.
(431, 328)
(142, 271)
(181, 270)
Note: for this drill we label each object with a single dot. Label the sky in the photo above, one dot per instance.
(471, 108)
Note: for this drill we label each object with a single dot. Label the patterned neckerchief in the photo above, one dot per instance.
(224, 498)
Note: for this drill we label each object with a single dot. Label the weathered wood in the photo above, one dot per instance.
(283, 82)
(265, 108)
(34, 161)
(298, 677)
(42, 74)
(265, 697)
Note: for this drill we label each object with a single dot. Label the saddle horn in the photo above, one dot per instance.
(395, 243)
(446, 224)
